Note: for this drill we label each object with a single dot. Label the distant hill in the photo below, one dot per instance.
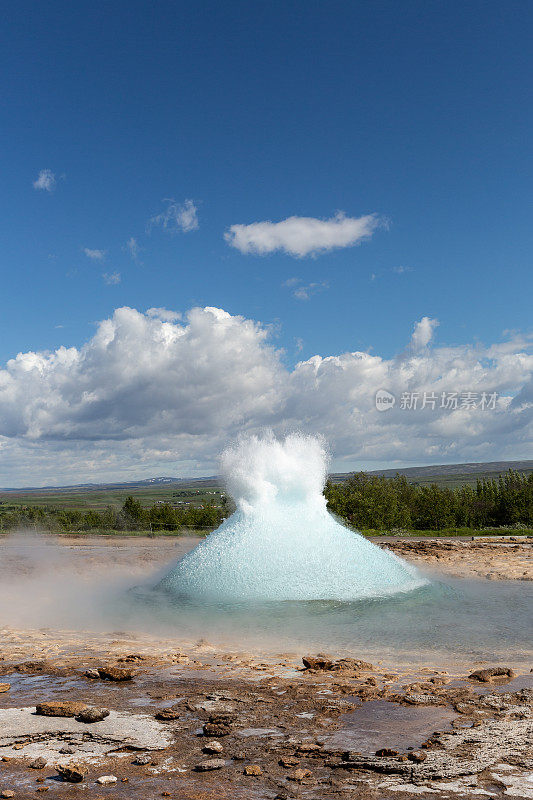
(447, 474)
(437, 473)
(99, 487)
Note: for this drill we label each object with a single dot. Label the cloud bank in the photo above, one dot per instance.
(152, 394)
(301, 236)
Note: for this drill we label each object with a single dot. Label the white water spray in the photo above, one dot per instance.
(282, 543)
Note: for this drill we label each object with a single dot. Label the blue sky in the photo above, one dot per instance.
(419, 113)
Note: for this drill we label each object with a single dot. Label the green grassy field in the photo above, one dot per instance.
(99, 498)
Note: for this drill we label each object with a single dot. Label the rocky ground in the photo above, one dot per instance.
(99, 715)
(199, 724)
(506, 558)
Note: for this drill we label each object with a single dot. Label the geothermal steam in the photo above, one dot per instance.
(282, 543)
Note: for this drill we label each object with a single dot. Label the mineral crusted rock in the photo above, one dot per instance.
(106, 780)
(323, 663)
(289, 761)
(218, 725)
(216, 729)
(60, 708)
(253, 769)
(138, 731)
(492, 673)
(73, 773)
(92, 714)
(38, 763)
(168, 714)
(210, 764)
(213, 747)
(299, 775)
(461, 752)
(92, 673)
(114, 673)
(143, 760)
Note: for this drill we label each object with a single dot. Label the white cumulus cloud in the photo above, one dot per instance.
(152, 394)
(176, 218)
(45, 181)
(301, 236)
(423, 333)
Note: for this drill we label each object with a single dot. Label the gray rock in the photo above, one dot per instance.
(92, 714)
(210, 764)
(106, 780)
(463, 752)
(143, 759)
(38, 763)
(72, 773)
(212, 747)
(138, 731)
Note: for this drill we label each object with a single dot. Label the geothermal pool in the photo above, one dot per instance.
(106, 585)
(280, 574)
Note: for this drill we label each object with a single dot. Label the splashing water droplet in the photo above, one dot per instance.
(282, 543)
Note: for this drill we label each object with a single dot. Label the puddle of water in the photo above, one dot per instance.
(378, 723)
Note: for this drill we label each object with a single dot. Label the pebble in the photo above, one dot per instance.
(91, 714)
(289, 761)
(72, 773)
(92, 673)
(6, 793)
(142, 760)
(253, 769)
(210, 764)
(212, 747)
(39, 763)
(167, 715)
(299, 775)
(4, 687)
(417, 756)
(106, 780)
(113, 673)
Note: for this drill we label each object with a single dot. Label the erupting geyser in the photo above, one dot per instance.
(282, 543)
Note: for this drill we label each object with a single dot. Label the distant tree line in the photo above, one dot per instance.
(372, 502)
(364, 501)
(131, 517)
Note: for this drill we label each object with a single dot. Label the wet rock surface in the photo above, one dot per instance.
(277, 734)
(492, 674)
(116, 673)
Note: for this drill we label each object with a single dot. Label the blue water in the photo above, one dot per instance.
(455, 620)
